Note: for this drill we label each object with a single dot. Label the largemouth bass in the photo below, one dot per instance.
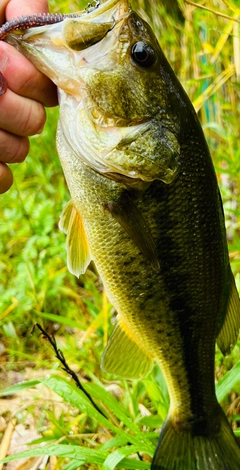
(146, 208)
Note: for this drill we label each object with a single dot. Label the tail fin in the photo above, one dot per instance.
(181, 450)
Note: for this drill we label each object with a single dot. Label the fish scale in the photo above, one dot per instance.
(147, 209)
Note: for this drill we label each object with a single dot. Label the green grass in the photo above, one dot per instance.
(35, 285)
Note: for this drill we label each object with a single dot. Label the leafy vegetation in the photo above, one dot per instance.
(35, 285)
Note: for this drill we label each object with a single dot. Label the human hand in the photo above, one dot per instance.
(22, 106)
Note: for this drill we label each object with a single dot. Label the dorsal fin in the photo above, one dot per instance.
(78, 253)
(228, 335)
(123, 356)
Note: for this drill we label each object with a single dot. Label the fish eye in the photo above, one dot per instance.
(143, 54)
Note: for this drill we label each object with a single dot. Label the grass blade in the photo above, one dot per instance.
(227, 383)
(119, 455)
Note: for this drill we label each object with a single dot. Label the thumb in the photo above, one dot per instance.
(15, 8)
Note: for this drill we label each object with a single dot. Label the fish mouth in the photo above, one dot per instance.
(57, 49)
(82, 31)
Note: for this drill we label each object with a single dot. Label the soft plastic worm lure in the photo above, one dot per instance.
(26, 22)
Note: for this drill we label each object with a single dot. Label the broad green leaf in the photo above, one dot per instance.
(113, 460)
(73, 452)
(18, 387)
(162, 410)
(153, 390)
(60, 319)
(228, 382)
(114, 442)
(151, 421)
(73, 465)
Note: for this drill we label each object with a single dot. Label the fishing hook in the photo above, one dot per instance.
(92, 6)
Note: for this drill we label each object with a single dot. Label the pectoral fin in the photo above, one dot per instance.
(78, 253)
(228, 335)
(123, 357)
(130, 218)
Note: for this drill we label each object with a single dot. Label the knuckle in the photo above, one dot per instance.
(33, 119)
(13, 149)
(21, 151)
(29, 80)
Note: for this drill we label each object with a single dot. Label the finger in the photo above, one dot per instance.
(6, 178)
(2, 10)
(28, 81)
(13, 149)
(21, 116)
(16, 8)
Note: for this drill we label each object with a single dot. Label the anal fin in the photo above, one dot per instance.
(123, 356)
(78, 253)
(228, 335)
